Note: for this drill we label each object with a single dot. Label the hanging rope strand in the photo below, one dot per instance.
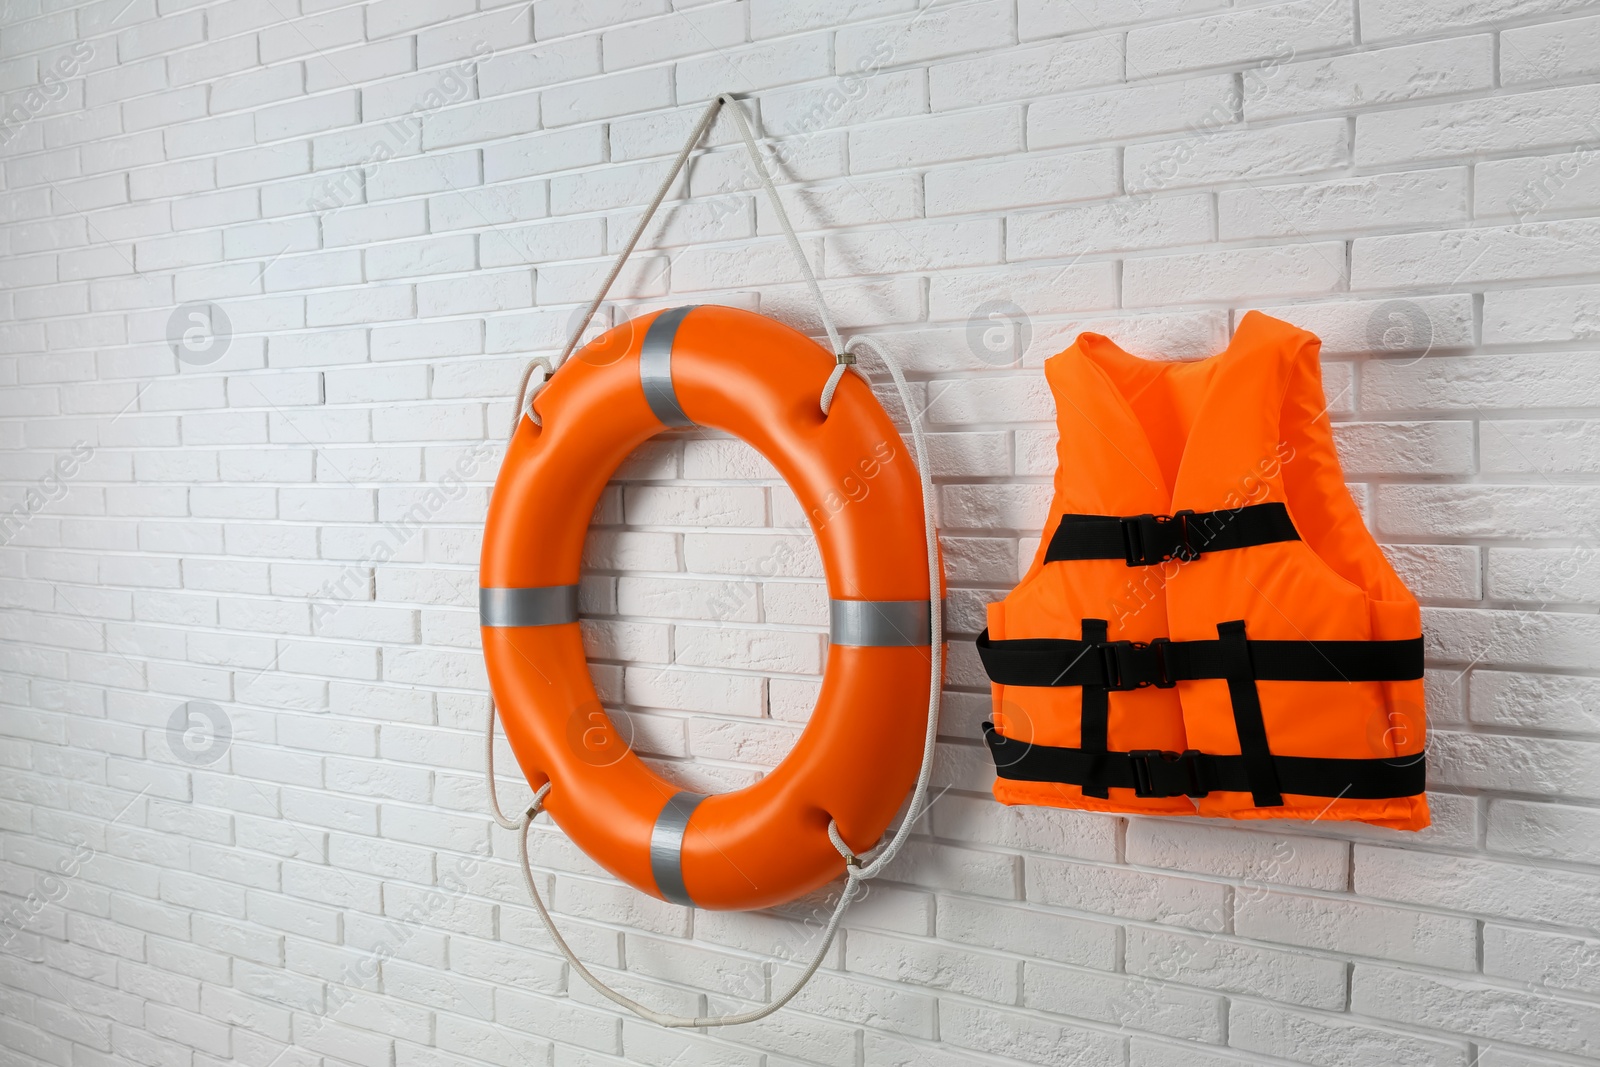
(523, 826)
(525, 398)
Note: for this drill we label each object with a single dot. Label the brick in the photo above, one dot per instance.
(212, 60)
(1541, 576)
(479, 121)
(1265, 36)
(258, 87)
(1326, 1039)
(1126, 1002)
(1525, 381)
(963, 870)
(1415, 509)
(981, 25)
(793, 59)
(1222, 155)
(1476, 1010)
(363, 63)
(770, 18)
(1118, 225)
(1503, 637)
(1380, 76)
(1550, 831)
(685, 33)
(1083, 835)
(1405, 448)
(1358, 928)
(493, 292)
(1143, 109)
(1482, 886)
(852, 98)
(1031, 180)
(1026, 932)
(1541, 960)
(550, 64)
(468, 41)
(1565, 313)
(309, 35)
(607, 96)
(1309, 862)
(936, 139)
(1379, 22)
(1452, 572)
(1547, 53)
(1128, 893)
(916, 246)
(1550, 118)
(307, 116)
(1025, 73)
(1383, 201)
(1042, 18)
(1544, 702)
(1008, 1033)
(1309, 269)
(977, 974)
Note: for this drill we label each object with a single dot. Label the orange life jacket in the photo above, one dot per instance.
(1207, 628)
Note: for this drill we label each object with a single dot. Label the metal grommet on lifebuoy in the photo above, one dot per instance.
(859, 755)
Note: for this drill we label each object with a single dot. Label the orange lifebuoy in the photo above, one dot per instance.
(859, 754)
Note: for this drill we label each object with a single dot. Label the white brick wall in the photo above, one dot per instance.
(273, 540)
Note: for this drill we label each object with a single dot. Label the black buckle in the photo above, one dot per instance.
(1185, 550)
(1151, 539)
(1162, 774)
(1136, 665)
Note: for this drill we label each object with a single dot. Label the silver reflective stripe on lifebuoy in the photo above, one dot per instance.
(538, 605)
(666, 846)
(655, 366)
(879, 623)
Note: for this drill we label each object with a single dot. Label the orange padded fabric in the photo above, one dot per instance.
(859, 754)
(1246, 426)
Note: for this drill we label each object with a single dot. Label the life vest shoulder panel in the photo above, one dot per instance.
(1208, 627)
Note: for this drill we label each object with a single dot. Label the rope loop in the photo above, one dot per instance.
(526, 406)
(852, 862)
(538, 802)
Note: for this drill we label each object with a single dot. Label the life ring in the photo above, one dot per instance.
(859, 754)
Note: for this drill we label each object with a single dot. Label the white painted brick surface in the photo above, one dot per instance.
(397, 203)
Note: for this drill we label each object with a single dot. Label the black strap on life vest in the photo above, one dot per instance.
(1092, 721)
(1247, 721)
(1124, 665)
(1153, 773)
(1103, 666)
(1146, 540)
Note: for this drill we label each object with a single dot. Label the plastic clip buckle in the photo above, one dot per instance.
(1133, 665)
(1159, 774)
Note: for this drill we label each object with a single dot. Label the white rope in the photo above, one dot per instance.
(648, 1013)
(525, 396)
(743, 122)
(488, 775)
(522, 827)
(855, 872)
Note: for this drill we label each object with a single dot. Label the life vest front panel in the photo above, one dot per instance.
(1277, 651)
